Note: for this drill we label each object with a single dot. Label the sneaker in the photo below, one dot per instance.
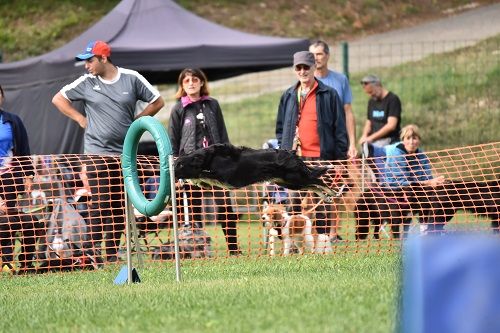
(7, 268)
(235, 253)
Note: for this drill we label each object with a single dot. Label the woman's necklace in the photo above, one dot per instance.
(304, 92)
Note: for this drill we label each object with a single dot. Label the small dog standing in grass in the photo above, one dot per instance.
(296, 230)
(308, 209)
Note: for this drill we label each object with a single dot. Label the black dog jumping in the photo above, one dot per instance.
(230, 167)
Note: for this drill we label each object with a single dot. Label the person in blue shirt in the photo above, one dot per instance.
(340, 83)
(16, 173)
(406, 164)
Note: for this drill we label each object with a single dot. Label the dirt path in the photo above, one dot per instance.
(414, 43)
(474, 24)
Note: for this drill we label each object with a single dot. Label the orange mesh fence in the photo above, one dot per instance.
(71, 214)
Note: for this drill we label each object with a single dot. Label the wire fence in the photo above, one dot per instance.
(72, 215)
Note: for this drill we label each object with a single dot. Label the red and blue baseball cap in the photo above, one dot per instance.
(95, 48)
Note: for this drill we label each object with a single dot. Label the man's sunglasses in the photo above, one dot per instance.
(300, 67)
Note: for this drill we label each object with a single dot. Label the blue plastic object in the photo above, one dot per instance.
(122, 276)
(451, 284)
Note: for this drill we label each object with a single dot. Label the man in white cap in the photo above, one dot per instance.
(311, 121)
(109, 95)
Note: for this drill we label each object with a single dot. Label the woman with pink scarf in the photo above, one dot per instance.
(196, 122)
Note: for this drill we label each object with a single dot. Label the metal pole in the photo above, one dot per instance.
(185, 207)
(364, 148)
(128, 218)
(135, 235)
(345, 58)
(175, 219)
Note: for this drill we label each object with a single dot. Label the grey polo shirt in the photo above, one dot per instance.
(109, 106)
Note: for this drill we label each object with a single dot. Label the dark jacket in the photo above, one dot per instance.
(331, 122)
(21, 147)
(21, 143)
(185, 131)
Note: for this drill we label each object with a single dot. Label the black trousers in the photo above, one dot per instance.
(14, 222)
(107, 212)
(225, 214)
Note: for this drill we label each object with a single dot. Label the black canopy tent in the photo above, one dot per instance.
(158, 38)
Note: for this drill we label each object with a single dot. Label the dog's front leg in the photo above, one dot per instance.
(309, 239)
(273, 233)
(323, 244)
(287, 241)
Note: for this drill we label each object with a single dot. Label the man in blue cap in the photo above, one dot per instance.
(109, 95)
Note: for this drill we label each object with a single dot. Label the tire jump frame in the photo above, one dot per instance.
(134, 197)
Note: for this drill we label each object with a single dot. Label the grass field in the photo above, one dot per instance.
(355, 289)
(338, 293)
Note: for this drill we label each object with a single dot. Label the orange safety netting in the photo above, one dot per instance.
(71, 214)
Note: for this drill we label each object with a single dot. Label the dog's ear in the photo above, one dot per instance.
(286, 158)
(317, 172)
(226, 150)
(234, 152)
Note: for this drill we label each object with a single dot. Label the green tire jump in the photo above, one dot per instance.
(129, 165)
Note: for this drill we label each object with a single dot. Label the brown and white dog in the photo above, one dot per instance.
(295, 230)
